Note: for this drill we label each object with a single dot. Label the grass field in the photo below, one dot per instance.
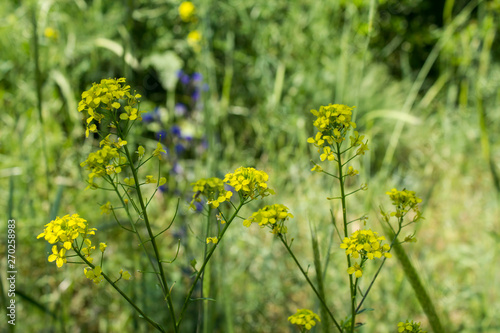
(229, 85)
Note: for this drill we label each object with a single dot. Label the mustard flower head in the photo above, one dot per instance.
(105, 161)
(64, 230)
(273, 216)
(404, 201)
(304, 318)
(410, 326)
(212, 189)
(105, 97)
(249, 182)
(333, 122)
(187, 11)
(367, 244)
(356, 270)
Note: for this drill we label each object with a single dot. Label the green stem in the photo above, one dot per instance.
(344, 218)
(166, 290)
(310, 283)
(205, 262)
(113, 284)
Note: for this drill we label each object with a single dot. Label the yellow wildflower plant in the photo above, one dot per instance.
(304, 318)
(273, 216)
(249, 182)
(106, 97)
(410, 326)
(187, 11)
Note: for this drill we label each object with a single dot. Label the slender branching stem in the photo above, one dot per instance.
(310, 282)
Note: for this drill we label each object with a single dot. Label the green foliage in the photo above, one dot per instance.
(265, 64)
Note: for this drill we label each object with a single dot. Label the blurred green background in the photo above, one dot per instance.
(232, 86)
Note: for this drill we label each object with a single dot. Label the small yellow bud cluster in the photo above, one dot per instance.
(410, 326)
(404, 201)
(304, 318)
(273, 216)
(333, 122)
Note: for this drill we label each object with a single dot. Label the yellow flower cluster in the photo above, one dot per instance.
(273, 216)
(410, 327)
(106, 161)
(304, 318)
(333, 121)
(212, 189)
(65, 230)
(405, 201)
(249, 182)
(106, 96)
(367, 245)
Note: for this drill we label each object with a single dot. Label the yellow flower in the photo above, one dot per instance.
(211, 189)
(187, 11)
(352, 172)
(304, 318)
(159, 149)
(125, 274)
(150, 180)
(102, 247)
(249, 182)
(367, 244)
(51, 33)
(273, 216)
(356, 269)
(106, 208)
(194, 39)
(58, 255)
(212, 240)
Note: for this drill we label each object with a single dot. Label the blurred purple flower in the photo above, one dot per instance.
(196, 94)
(163, 188)
(176, 130)
(184, 79)
(199, 206)
(197, 77)
(148, 117)
(179, 148)
(180, 109)
(161, 135)
(177, 168)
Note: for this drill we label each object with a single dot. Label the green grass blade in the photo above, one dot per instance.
(416, 282)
